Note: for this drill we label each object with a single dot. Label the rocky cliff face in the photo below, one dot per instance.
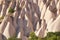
(20, 17)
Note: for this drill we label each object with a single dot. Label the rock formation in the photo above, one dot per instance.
(21, 17)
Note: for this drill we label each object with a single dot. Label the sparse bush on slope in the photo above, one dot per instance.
(13, 38)
(11, 10)
(50, 36)
(33, 36)
(53, 36)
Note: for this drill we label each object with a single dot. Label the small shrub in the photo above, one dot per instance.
(13, 38)
(11, 10)
(58, 37)
(2, 17)
(34, 37)
(53, 36)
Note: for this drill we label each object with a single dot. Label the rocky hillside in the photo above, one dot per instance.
(21, 17)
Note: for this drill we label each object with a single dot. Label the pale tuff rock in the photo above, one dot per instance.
(19, 35)
(9, 30)
(43, 12)
(50, 22)
(3, 24)
(41, 31)
(4, 8)
(57, 5)
(39, 16)
(1, 1)
(58, 8)
(54, 27)
(35, 1)
(48, 15)
(41, 5)
(37, 26)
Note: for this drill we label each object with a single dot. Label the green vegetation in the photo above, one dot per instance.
(13, 38)
(33, 36)
(11, 10)
(53, 36)
(50, 36)
(2, 17)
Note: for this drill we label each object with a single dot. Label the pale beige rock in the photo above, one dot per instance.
(3, 24)
(37, 26)
(41, 30)
(1, 1)
(39, 16)
(48, 15)
(9, 30)
(4, 8)
(41, 5)
(19, 35)
(43, 12)
(50, 22)
(57, 8)
(35, 1)
(54, 27)
(56, 1)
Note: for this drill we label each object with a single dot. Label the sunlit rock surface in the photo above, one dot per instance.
(26, 16)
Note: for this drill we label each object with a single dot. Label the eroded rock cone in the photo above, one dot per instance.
(41, 30)
(39, 16)
(9, 30)
(4, 7)
(3, 24)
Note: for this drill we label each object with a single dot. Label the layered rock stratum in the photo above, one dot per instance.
(39, 16)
